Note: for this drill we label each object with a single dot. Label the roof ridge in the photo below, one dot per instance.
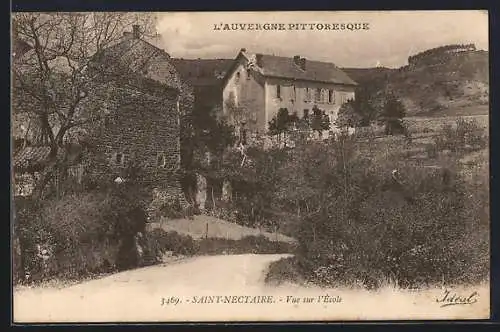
(291, 58)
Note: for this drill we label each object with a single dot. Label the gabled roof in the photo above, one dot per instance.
(284, 67)
(203, 72)
(142, 58)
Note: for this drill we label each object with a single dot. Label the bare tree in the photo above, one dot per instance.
(52, 84)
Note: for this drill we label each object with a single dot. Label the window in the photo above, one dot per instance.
(278, 91)
(331, 96)
(254, 116)
(294, 93)
(306, 114)
(248, 74)
(318, 94)
(119, 159)
(238, 76)
(161, 160)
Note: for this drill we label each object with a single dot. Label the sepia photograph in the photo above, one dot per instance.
(250, 166)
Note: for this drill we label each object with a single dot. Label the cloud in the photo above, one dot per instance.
(392, 36)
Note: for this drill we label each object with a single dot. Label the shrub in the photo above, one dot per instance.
(360, 226)
(466, 134)
(285, 269)
(245, 245)
(172, 209)
(86, 233)
(162, 242)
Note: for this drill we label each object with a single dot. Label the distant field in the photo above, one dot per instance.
(418, 124)
(464, 111)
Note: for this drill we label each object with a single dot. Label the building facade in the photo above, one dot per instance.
(143, 123)
(141, 99)
(258, 86)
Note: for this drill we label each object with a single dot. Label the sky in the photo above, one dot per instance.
(390, 39)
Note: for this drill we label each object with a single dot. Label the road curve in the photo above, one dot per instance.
(140, 296)
(137, 294)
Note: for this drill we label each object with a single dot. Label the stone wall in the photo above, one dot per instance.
(144, 130)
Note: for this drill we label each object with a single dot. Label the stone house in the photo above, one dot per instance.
(260, 84)
(144, 100)
(142, 125)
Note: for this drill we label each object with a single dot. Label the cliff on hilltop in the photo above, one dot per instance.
(447, 80)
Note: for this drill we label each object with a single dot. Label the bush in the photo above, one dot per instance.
(83, 234)
(172, 209)
(247, 244)
(466, 134)
(162, 242)
(360, 226)
(285, 269)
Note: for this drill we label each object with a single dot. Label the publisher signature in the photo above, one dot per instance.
(451, 298)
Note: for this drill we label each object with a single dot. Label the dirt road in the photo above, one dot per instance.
(234, 286)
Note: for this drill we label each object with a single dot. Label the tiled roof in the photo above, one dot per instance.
(36, 157)
(284, 67)
(31, 157)
(203, 72)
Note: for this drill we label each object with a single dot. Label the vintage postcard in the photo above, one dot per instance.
(250, 166)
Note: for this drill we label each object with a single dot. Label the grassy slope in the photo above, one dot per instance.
(217, 228)
(458, 86)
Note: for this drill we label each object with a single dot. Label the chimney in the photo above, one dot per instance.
(127, 34)
(258, 59)
(135, 31)
(303, 63)
(296, 60)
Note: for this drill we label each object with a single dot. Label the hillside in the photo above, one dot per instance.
(436, 85)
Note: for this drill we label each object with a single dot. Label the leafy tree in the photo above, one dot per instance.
(392, 115)
(348, 115)
(357, 112)
(206, 132)
(280, 124)
(320, 121)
